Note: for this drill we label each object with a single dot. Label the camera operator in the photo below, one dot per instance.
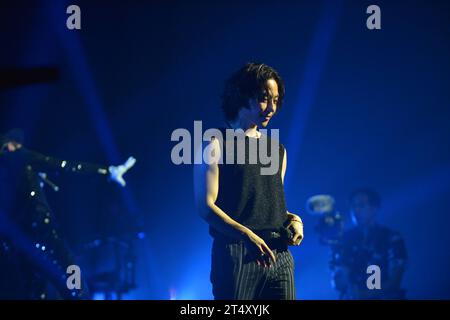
(368, 243)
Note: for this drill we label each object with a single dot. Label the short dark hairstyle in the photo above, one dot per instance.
(248, 83)
(372, 195)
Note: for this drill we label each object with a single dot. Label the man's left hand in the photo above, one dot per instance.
(296, 227)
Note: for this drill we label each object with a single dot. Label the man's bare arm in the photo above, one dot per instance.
(295, 221)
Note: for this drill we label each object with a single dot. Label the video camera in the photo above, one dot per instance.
(331, 223)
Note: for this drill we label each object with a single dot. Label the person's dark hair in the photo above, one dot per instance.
(248, 83)
(372, 195)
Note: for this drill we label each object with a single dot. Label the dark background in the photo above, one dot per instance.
(363, 108)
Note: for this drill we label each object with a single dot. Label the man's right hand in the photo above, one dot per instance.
(265, 255)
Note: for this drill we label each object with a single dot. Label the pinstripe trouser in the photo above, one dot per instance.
(235, 275)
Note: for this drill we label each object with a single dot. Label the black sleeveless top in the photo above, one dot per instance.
(255, 200)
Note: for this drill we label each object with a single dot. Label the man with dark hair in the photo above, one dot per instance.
(33, 254)
(368, 244)
(249, 83)
(245, 209)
